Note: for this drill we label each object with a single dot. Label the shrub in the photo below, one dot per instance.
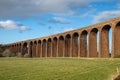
(19, 54)
(26, 55)
(8, 53)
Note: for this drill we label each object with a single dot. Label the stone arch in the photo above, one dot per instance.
(25, 48)
(39, 48)
(67, 45)
(93, 43)
(49, 47)
(44, 47)
(54, 47)
(117, 40)
(104, 39)
(61, 46)
(83, 44)
(75, 42)
(31, 49)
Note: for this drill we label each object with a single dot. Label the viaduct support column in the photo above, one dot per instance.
(83, 44)
(54, 47)
(68, 46)
(104, 42)
(92, 44)
(116, 41)
(37, 54)
(61, 47)
(75, 39)
(44, 49)
(22, 49)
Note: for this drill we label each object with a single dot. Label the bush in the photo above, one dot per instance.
(26, 55)
(19, 54)
(8, 53)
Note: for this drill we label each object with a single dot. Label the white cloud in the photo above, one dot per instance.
(68, 29)
(12, 25)
(8, 24)
(106, 15)
(64, 30)
(27, 8)
(59, 20)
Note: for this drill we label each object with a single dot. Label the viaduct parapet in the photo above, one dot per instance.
(92, 41)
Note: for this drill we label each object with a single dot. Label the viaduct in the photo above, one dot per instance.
(92, 41)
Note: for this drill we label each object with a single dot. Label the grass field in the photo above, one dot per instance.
(57, 69)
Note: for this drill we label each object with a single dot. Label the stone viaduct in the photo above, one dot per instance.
(92, 41)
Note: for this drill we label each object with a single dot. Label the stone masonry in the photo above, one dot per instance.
(77, 43)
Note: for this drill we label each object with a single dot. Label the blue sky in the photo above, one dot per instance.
(28, 19)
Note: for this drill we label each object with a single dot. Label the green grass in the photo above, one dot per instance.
(57, 68)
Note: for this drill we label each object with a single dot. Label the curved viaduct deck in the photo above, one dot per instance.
(92, 41)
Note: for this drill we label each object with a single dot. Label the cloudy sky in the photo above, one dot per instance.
(28, 19)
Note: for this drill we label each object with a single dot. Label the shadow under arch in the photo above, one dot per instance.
(25, 48)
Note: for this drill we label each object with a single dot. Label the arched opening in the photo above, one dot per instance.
(31, 50)
(75, 42)
(35, 49)
(39, 48)
(110, 42)
(93, 43)
(61, 46)
(117, 40)
(98, 43)
(49, 47)
(67, 45)
(54, 47)
(83, 44)
(105, 41)
(44, 48)
(25, 48)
